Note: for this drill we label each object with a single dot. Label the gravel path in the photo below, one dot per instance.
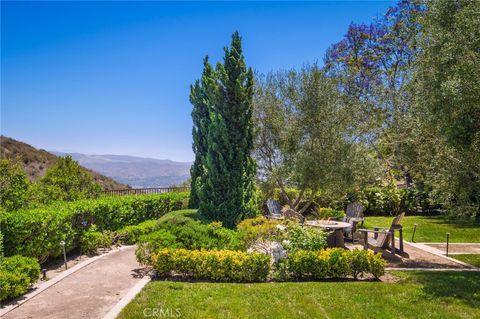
(88, 293)
(415, 258)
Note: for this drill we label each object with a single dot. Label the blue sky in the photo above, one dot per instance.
(114, 77)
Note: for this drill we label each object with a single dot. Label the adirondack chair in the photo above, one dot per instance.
(353, 215)
(274, 209)
(384, 237)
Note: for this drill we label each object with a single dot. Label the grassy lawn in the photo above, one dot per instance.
(416, 295)
(430, 229)
(472, 259)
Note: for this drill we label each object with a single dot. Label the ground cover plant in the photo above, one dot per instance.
(446, 295)
(431, 228)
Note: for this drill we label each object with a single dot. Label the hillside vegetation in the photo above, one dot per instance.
(36, 162)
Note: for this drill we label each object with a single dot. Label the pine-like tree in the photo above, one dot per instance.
(228, 190)
(201, 121)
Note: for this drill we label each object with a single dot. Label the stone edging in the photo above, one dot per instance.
(38, 288)
(439, 253)
(433, 269)
(115, 311)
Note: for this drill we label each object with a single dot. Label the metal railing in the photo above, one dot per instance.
(142, 191)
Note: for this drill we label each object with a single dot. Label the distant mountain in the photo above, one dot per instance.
(37, 161)
(138, 172)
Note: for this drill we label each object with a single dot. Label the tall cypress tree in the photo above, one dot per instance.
(227, 193)
(201, 121)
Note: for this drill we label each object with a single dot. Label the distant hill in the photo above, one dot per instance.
(37, 161)
(138, 172)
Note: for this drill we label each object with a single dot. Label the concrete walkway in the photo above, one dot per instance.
(91, 292)
(456, 248)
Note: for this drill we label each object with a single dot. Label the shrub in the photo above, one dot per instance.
(193, 234)
(17, 273)
(305, 238)
(389, 200)
(92, 240)
(218, 265)
(38, 232)
(376, 264)
(147, 244)
(131, 234)
(334, 263)
(360, 262)
(258, 229)
(112, 213)
(326, 213)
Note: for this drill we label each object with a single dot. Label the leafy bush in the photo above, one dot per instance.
(66, 180)
(376, 264)
(326, 213)
(258, 229)
(389, 200)
(14, 190)
(193, 234)
(334, 263)
(131, 234)
(92, 240)
(17, 273)
(38, 232)
(147, 244)
(305, 238)
(218, 265)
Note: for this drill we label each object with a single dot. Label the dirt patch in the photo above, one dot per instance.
(389, 278)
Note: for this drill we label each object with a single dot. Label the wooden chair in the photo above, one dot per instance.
(353, 215)
(384, 237)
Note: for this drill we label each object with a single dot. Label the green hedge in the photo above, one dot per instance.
(17, 274)
(334, 263)
(38, 232)
(217, 265)
(389, 200)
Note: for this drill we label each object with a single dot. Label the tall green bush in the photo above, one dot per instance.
(38, 232)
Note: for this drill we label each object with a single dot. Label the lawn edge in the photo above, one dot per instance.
(129, 296)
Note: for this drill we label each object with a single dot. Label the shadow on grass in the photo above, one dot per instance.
(463, 286)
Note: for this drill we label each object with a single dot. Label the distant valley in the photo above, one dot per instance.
(138, 172)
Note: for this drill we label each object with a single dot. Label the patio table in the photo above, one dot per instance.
(337, 227)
